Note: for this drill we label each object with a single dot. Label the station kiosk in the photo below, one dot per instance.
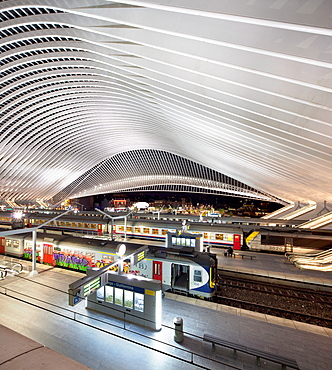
(131, 298)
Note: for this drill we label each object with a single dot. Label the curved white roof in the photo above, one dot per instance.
(238, 89)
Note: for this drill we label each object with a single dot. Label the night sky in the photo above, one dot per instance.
(216, 201)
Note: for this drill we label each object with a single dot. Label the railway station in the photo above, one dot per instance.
(218, 99)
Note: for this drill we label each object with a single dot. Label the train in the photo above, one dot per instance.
(182, 270)
(238, 236)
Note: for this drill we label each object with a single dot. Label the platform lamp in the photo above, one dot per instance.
(114, 218)
(34, 240)
(32, 230)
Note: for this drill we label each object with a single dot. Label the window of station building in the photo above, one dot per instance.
(128, 299)
(137, 230)
(155, 231)
(15, 244)
(129, 229)
(101, 294)
(28, 245)
(109, 293)
(139, 302)
(8, 243)
(219, 236)
(146, 230)
(198, 276)
(164, 232)
(118, 296)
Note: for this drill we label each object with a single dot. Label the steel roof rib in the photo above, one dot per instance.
(101, 96)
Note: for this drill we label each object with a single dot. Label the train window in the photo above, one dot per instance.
(129, 229)
(164, 232)
(109, 293)
(68, 223)
(137, 229)
(198, 276)
(93, 226)
(146, 230)
(74, 224)
(86, 226)
(219, 236)
(107, 259)
(15, 244)
(156, 269)
(120, 228)
(8, 243)
(52, 223)
(62, 223)
(155, 231)
(206, 236)
(80, 225)
(230, 237)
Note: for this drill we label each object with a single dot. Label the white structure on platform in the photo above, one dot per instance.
(229, 97)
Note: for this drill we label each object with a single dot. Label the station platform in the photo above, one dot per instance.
(20, 352)
(270, 265)
(37, 308)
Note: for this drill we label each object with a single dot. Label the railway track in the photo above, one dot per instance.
(308, 305)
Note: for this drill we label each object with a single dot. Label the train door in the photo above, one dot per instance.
(180, 277)
(157, 270)
(237, 242)
(48, 253)
(2, 245)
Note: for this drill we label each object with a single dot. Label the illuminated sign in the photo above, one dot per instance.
(139, 256)
(91, 286)
(126, 287)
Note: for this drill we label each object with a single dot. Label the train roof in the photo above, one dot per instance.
(87, 244)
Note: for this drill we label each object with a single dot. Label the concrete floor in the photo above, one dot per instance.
(37, 307)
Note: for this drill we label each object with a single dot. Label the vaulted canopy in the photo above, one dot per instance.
(227, 97)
